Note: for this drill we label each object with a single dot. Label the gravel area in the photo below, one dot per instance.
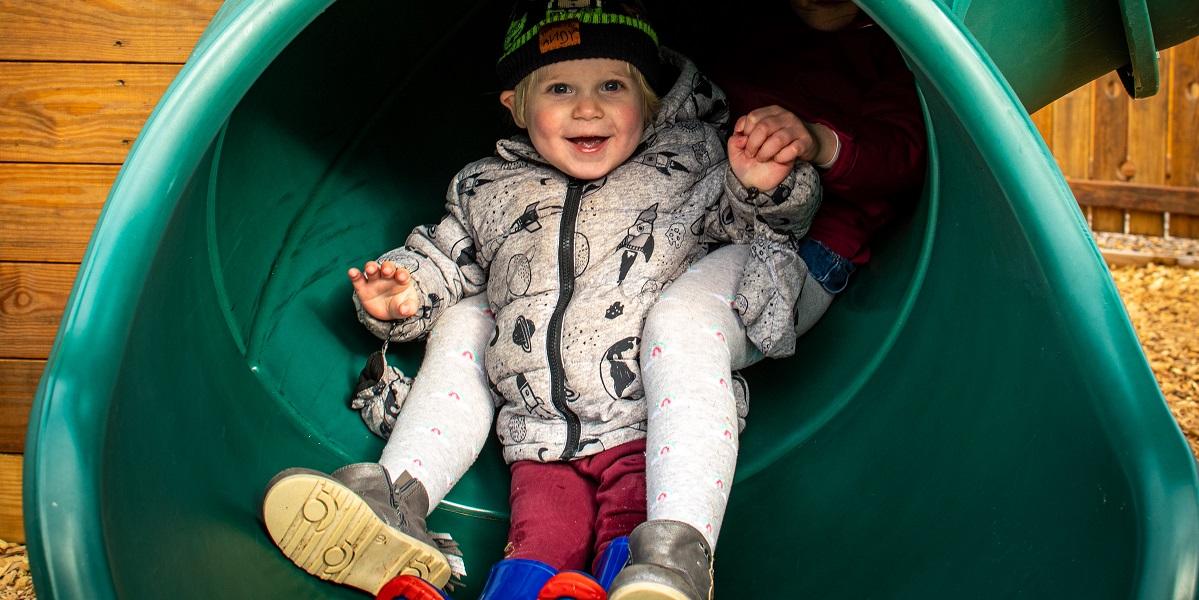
(1172, 247)
(1162, 300)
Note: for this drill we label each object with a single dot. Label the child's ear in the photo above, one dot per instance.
(508, 99)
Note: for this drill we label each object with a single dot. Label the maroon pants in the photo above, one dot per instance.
(565, 513)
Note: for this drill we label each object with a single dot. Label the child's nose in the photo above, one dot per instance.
(588, 107)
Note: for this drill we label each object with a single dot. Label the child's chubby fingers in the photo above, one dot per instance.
(396, 273)
(755, 137)
(370, 269)
(737, 142)
(359, 280)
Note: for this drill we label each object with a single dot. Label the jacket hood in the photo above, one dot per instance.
(693, 97)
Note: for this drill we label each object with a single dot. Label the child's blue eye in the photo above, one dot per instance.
(612, 86)
(559, 88)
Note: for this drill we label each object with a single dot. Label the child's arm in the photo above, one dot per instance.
(763, 191)
(769, 202)
(402, 293)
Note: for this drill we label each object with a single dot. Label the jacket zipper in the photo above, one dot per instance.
(566, 288)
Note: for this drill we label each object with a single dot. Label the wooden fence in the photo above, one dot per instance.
(1133, 164)
(78, 79)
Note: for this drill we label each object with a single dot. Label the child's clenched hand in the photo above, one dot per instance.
(385, 290)
(766, 143)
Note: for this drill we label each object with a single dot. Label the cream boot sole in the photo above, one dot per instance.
(330, 532)
(647, 591)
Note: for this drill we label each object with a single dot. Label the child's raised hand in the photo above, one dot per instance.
(385, 290)
(750, 171)
(766, 143)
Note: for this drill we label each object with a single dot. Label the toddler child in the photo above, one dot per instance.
(571, 233)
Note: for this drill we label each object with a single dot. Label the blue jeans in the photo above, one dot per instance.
(829, 268)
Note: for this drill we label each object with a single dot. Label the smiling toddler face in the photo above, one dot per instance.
(585, 117)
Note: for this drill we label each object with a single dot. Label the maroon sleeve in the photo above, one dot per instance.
(883, 150)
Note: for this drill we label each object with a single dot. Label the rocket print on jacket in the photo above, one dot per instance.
(663, 161)
(528, 221)
(639, 240)
(534, 404)
(467, 185)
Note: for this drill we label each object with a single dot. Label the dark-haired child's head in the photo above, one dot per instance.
(826, 15)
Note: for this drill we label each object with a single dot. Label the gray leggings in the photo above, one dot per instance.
(692, 342)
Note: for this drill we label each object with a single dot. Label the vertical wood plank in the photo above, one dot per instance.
(18, 384)
(1071, 130)
(1183, 143)
(12, 528)
(1148, 124)
(1109, 148)
(1043, 119)
(1111, 130)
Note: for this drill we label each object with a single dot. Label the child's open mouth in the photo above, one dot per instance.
(588, 143)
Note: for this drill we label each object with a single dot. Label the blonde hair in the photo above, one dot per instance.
(649, 99)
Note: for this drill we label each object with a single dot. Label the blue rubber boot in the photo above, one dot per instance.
(574, 585)
(611, 561)
(516, 579)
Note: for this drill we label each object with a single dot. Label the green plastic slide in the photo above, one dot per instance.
(974, 418)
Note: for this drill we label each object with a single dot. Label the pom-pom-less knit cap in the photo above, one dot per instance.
(543, 32)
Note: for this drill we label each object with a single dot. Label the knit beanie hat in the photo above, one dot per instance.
(544, 32)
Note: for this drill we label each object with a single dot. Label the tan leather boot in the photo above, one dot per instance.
(355, 526)
(668, 560)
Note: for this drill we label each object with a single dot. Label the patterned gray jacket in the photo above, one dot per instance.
(571, 267)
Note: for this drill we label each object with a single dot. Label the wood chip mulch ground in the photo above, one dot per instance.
(1163, 303)
(1161, 294)
(15, 582)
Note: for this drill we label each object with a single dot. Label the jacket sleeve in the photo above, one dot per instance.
(771, 223)
(782, 213)
(445, 266)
